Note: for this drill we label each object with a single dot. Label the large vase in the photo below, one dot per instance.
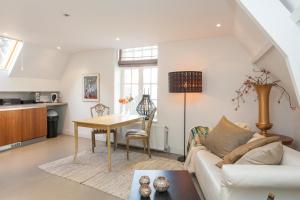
(263, 93)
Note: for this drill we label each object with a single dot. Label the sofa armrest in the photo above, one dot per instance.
(261, 176)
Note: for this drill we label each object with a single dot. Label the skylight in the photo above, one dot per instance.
(9, 51)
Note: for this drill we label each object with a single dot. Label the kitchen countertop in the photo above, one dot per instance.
(29, 106)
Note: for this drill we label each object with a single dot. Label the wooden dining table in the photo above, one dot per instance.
(107, 123)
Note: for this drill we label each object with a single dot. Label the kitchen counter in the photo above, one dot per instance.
(29, 106)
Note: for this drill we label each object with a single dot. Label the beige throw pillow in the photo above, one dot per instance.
(270, 154)
(240, 151)
(256, 136)
(225, 137)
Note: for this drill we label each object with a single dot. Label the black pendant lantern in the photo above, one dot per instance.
(146, 106)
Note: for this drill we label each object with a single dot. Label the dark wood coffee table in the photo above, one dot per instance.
(181, 185)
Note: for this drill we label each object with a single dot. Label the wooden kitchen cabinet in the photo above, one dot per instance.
(10, 127)
(40, 122)
(27, 124)
(23, 124)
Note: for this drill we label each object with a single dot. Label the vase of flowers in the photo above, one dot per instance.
(125, 103)
(262, 83)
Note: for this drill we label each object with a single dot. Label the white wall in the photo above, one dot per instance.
(26, 84)
(99, 61)
(224, 63)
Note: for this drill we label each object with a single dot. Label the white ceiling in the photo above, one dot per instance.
(96, 23)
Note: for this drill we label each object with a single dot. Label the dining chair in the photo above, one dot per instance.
(141, 134)
(101, 110)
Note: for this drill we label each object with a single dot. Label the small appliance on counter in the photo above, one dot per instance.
(37, 97)
(28, 101)
(45, 98)
(54, 97)
(8, 102)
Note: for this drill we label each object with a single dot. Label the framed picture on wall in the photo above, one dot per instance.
(90, 87)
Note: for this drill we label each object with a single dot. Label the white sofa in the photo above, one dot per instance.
(248, 182)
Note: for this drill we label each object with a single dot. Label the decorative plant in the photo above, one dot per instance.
(125, 100)
(261, 77)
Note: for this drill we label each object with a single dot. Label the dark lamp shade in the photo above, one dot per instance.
(185, 82)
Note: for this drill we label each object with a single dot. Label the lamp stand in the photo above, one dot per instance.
(182, 158)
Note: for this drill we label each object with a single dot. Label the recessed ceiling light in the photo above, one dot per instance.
(117, 38)
(5, 34)
(58, 48)
(67, 15)
(218, 25)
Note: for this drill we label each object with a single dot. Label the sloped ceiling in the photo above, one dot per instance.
(248, 33)
(276, 63)
(291, 5)
(261, 49)
(40, 62)
(95, 24)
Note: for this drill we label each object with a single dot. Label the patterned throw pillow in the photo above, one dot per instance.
(197, 136)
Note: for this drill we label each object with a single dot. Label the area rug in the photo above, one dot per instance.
(91, 169)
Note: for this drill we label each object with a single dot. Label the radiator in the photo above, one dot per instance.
(158, 138)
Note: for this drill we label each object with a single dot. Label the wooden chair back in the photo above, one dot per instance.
(100, 109)
(150, 121)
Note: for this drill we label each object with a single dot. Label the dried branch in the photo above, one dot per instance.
(263, 77)
(283, 93)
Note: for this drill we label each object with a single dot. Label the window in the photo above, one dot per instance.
(136, 81)
(150, 83)
(138, 67)
(141, 56)
(9, 51)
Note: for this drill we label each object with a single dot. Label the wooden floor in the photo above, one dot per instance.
(21, 179)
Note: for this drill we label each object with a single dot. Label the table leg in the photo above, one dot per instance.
(108, 149)
(116, 140)
(75, 141)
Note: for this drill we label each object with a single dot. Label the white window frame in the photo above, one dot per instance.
(12, 55)
(141, 60)
(140, 84)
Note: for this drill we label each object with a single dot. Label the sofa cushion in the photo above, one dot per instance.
(270, 154)
(290, 157)
(225, 137)
(240, 151)
(256, 136)
(208, 175)
(243, 125)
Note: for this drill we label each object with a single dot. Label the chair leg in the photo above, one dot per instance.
(127, 147)
(93, 142)
(148, 145)
(115, 141)
(144, 142)
(106, 139)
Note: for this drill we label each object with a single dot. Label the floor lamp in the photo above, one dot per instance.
(185, 82)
